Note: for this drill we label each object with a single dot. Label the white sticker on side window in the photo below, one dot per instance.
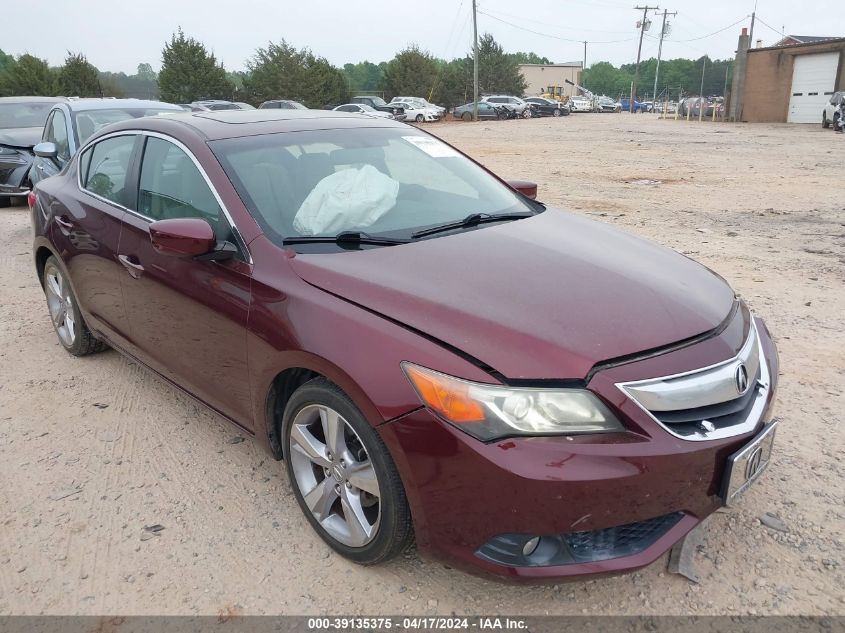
(431, 146)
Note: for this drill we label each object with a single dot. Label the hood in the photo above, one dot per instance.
(21, 136)
(546, 297)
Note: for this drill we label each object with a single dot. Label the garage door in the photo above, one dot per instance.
(813, 79)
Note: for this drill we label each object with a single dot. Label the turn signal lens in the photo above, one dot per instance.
(445, 395)
(490, 412)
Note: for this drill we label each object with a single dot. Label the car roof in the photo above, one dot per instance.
(25, 99)
(84, 105)
(222, 124)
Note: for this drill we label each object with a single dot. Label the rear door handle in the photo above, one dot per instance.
(63, 222)
(134, 267)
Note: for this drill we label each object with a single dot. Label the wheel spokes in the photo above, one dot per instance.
(334, 428)
(321, 498)
(362, 475)
(360, 529)
(309, 445)
(55, 285)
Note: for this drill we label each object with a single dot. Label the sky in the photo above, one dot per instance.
(117, 35)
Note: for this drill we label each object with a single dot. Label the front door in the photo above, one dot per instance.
(188, 318)
(57, 131)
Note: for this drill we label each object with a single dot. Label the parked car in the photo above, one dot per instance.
(377, 103)
(606, 104)
(830, 114)
(419, 101)
(418, 113)
(626, 105)
(548, 107)
(21, 123)
(211, 105)
(282, 104)
(71, 122)
(485, 111)
(363, 108)
(390, 318)
(244, 106)
(514, 104)
(580, 104)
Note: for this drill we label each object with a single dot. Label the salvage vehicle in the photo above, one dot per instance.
(417, 113)
(363, 108)
(377, 103)
(830, 114)
(282, 104)
(211, 105)
(531, 393)
(580, 104)
(420, 102)
(485, 111)
(71, 122)
(518, 106)
(548, 107)
(21, 123)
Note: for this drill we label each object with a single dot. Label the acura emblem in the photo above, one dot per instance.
(754, 463)
(741, 378)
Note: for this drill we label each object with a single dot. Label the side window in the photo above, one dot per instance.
(57, 133)
(171, 186)
(105, 166)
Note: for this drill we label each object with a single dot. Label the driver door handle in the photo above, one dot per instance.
(134, 267)
(63, 222)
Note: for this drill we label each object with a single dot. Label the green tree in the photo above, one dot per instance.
(282, 72)
(497, 72)
(364, 76)
(78, 77)
(604, 78)
(411, 73)
(145, 72)
(189, 72)
(454, 83)
(28, 75)
(110, 86)
(529, 58)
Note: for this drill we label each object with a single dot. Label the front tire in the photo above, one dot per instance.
(343, 476)
(420, 118)
(68, 323)
(466, 116)
(556, 112)
(825, 122)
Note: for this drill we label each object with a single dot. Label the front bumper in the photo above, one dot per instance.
(14, 172)
(465, 494)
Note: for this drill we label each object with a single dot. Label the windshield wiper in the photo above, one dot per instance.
(473, 219)
(343, 238)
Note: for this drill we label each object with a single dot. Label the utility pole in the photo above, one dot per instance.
(645, 11)
(701, 90)
(584, 66)
(751, 34)
(474, 62)
(660, 49)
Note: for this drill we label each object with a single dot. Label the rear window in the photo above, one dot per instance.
(90, 121)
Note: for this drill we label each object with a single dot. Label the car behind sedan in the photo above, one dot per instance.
(21, 123)
(531, 393)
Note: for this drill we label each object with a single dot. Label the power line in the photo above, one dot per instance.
(704, 37)
(778, 31)
(554, 26)
(555, 37)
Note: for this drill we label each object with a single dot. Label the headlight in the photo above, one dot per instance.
(488, 412)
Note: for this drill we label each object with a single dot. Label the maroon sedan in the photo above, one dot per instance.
(431, 351)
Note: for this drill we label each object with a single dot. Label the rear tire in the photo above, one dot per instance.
(331, 450)
(65, 314)
(466, 116)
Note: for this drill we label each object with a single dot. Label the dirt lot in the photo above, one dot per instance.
(92, 450)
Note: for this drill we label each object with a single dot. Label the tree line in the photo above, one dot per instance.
(190, 72)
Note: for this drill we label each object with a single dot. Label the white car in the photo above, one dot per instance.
(831, 109)
(420, 102)
(415, 112)
(580, 104)
(363, 108)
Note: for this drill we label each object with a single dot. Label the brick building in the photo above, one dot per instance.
(786, 83)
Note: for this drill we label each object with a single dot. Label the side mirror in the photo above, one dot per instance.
(182, 237)
(527, 189)
(46, 150)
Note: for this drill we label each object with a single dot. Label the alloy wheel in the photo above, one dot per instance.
(60, 305)
(334, 474)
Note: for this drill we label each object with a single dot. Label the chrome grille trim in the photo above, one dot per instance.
(706, 386)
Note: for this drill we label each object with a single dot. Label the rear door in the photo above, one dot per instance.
(187, 317)
(87, 221)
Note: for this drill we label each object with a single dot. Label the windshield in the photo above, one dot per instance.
(387, 182)
(89, 121)
(378, 101)
(17, 115)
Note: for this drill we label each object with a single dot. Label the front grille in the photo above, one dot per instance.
(708, 403)
(577, 547)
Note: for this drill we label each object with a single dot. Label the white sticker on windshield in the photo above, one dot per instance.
(431, 146)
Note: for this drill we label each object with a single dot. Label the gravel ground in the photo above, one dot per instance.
(93, 450)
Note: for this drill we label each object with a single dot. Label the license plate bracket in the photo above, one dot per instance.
(746, 465)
